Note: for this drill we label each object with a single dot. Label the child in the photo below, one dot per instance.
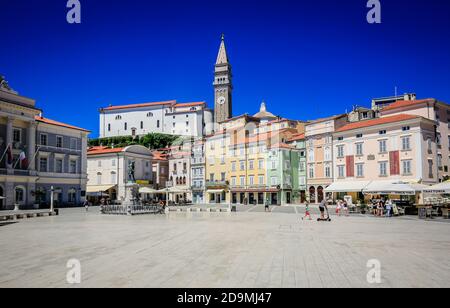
(307, 214)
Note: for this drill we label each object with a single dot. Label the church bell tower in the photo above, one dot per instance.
(223, 86)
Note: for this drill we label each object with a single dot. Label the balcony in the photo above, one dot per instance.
(210, 184)
(198, 161)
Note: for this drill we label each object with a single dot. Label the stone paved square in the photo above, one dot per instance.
(245, 249)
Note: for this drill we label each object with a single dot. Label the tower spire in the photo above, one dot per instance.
(222, 57)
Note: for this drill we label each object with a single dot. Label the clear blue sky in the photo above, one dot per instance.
(307, 59)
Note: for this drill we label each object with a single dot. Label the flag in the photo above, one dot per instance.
(23, 160)
(9, 155)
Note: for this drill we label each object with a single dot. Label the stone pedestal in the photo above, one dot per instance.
(131, 194)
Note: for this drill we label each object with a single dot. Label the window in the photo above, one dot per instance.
(405, 128)
(73, 166)
(327, 171)
(59, 165)
(142, 124)
(302, 166)
(439, 160)
(302, 181)
(360, 170)
(430, 145)
(242, 181)
(406, 146)
(274, 181)
(327, 153)
(118, 117)
(287, 164)
(125, 126)
(273, 164)
(251, 164)
(382, 146)
(113, 177)
(17, 135)
(99, 178)
(261, 180)
(72, 195)
(149, 115)
(340, 151)
(359, 136)
(383, 168)
(242, 165)
(341, 171)
(311, 155)
(43, 139)
(157, 124)
(113, 163)
(223, 176)
(19, 194)
(99, 163)
(406, 167)
(382, 132)
(340, 138)
(359, 149)
(59, 141)
(211, 177)
(109, 127)
(73, 143)
(233, 181)
(430, 169)
(311, 172)
(222, 159)
(43, 164)
(251, 180)
(261, 164)
(233, 166)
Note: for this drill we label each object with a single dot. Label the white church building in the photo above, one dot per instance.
(168, 117)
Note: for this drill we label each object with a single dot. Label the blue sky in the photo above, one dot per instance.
(307, 59)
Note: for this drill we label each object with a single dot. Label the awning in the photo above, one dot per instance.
(215, 191)
(393, 188)
(347, 187)
(98, 188)
(438, 189)
(173, 190)
(147, 190)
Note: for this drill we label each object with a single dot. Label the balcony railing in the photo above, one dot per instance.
(217, 183)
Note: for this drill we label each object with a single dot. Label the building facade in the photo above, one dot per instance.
(319, 155)
(399, 148)
(169, 117)
(180, 173)
(108, 170)
(160, 168)
(223, 86)
(299, 142)
(198, 169)
(38, 154)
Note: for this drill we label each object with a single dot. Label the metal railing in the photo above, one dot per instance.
(131, 209)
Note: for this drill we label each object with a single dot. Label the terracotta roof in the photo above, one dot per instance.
(282, 146)
(139, 105)
(104, 151)
(190, 104)
(297, 137)
(400, 104)
(56, 123)
(159, 155)
(379, 121)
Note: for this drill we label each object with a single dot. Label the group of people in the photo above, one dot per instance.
(342, 207)
(382, 208)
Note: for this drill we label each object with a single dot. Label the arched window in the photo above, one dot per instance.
(19, 195)
(99, 178)
(184, 181)
(193, 109)
(150, 115)
(119, 117)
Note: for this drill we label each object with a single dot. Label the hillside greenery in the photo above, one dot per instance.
(152, 141)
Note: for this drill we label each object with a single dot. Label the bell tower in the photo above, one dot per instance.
(223, 86)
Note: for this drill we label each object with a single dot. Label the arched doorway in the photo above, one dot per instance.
(319, 194)
(312, 194)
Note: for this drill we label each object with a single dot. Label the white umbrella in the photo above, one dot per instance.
(438, 189)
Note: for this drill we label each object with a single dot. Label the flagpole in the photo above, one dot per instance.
(4, 153)
(34, 156)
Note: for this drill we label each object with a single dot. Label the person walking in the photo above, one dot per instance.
(307, 212)
(267, 206)
(86, 205)
(388, 208)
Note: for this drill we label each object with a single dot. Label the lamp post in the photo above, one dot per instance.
(52, 193)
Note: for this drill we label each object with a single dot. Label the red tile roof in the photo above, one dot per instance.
(281, 146)
(297, 137)
(379, 121)
(139, 105)
(56, 123)
(99, 151)
(400, 104)
(181, 105)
